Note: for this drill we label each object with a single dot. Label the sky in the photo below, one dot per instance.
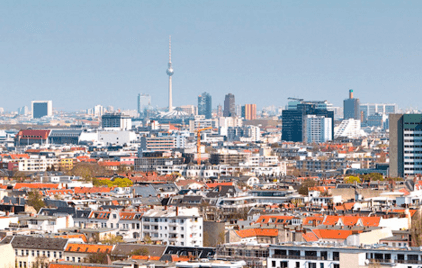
(83, 53)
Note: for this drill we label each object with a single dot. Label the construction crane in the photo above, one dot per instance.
(198, 144)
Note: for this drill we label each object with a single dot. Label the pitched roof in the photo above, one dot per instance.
(256, 232)
(89, 248)
(334, 234)
(274, 219)
(310, 237)
(32, 242)
(36, 186)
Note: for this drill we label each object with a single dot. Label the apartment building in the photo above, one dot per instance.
(331, 255)
(178, 226)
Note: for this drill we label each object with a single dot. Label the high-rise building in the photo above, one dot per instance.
(229, 106)
(144, 102)
(294, 123)
(205, 105)
(249, 111)
(349, 128)
(405, 144)
(23, 110)
(351, 107)
(42, 108)
(368, 109)
(318, 129)
(219, 110)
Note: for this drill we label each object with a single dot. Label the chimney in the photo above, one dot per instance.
(177, 211)
(350, 93)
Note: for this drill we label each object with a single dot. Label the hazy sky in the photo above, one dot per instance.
(83, 53)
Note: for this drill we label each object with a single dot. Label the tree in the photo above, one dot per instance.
(416, 229)
(352, 179)
(147, 239)
(99, 258)
(112, 239)
(118, 182)
(140, 252)
(88, 170)
(35, 200)
(304, 187)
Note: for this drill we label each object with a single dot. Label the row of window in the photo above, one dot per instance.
(45, 253)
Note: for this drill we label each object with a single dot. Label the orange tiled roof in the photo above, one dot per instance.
(151, 258)
(87, 190)
(312, 220)
(215, 184)
(73, 236)
(36, 186)
(310, 237)
(257, 232)
(334, 234)
(89, 248)
(274, 219)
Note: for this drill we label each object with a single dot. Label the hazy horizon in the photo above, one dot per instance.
(80, 54)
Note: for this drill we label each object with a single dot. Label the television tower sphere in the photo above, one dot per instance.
(170, 71)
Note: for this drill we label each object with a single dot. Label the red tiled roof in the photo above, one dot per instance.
(36, 186)
(89, 248)
(215, 184)
(256, 232)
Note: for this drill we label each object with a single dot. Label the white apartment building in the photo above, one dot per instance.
(38, 163)
(174, 226)
(49, 224)
(331, 255)
(318, 129)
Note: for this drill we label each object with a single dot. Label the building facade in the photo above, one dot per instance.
(405, 144)
(249, 111)
(351, 107)
(205, 105)
(229, 106)
(42, 108)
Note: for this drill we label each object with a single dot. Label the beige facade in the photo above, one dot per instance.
(7, 256)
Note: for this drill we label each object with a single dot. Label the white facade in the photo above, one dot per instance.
(412, 152)
(174, 225)
(116, 137)
(349, 128)
(318, 129)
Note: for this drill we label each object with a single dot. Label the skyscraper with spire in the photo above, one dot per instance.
(170, 72)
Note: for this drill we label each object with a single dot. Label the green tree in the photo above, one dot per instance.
(304, 187)
(112, 239)
(35, 200)
(352, 179)
(140, 252)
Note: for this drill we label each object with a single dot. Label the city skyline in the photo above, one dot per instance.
(271, 51)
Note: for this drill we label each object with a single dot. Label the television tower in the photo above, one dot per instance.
(170, 72)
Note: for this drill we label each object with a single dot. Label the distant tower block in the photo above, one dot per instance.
(170, 72)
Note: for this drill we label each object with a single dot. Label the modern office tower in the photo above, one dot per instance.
(219, 110)
(249, 111)
(116, 121)
(294, 123)
(318, 129)
(368, 109)
(144, 101)
(405, 144)
(229, 106)
(170, 72)
(205, 105)
(23, 110)
(351, 107)
(42, 108)
(349, 128)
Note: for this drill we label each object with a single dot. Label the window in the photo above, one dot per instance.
(273, 263)
(38, 253)
(321, 265)
(27, 252)
(114, 216)
(54, 254)
(48, 254)
(33, 253)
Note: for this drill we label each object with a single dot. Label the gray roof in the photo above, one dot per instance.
(145, 191)
(33, 242)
